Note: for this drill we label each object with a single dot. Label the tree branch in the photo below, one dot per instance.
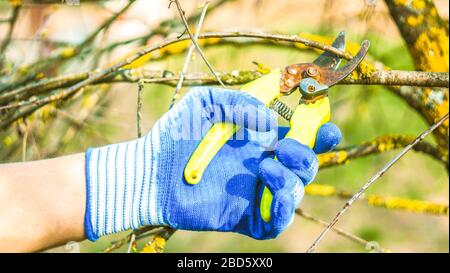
(378, 145)
(236, 77)
(426, 36)
(366, 244)
(189, 56)
(61, 55)
(372, 180)
(387, 202)
(409, 78)
(27, 94)
(194, 41)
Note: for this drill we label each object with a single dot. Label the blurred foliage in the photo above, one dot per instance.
(362, 113)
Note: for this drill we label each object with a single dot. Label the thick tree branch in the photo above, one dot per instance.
(26, 95)
(386, 202)
(236, 77)
(426, 36)
(408, 78)
(379, 145)
(116, 67)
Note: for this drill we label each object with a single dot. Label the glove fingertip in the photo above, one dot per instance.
(283, 210)
(328, 137)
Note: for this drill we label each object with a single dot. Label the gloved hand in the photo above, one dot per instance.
(141, 182)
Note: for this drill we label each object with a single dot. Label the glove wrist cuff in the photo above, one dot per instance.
(121, 187)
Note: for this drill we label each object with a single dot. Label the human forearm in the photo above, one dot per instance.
(42, 203)
(130, 184)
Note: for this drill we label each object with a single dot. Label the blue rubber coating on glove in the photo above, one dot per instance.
(327, 138)
(141, 182)
(305, 166)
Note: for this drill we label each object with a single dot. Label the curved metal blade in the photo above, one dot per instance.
(338, 75)
(328, 60)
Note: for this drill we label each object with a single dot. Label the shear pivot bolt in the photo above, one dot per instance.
(311, 71)
(311, 88)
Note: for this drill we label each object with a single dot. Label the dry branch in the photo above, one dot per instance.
(235, 77)
(426, 36)
(194, 40)
(387, 202)
(47, 90)
(81, 80)
(378, 145)
(116, 67)
(189, 56)
(366, 244)
(372, 180)
(60, 55)
(409, 78)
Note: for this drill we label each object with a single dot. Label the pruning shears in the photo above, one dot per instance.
(312, 80)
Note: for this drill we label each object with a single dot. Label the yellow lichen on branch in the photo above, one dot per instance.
(320, 190)
(363, 71)
(389, 202)
(431, 50)
(426, 36)
(172, 49)
(15, 3)
(155, 245)
(380, 144)
(416, 206)
(68, 52)
(337, 157)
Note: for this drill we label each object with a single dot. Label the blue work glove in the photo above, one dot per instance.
(141, 182)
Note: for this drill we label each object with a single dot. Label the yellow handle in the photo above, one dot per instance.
(305, 123)
(264, 89)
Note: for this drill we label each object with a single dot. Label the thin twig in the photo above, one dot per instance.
(339, 231)
(138, 232)
(372, 180)
(194, 41)
(84, 79)
(12, 22)
(140, 85)
(258, 35)
(114, 68)
(60, 56)
(132, 242)
(139, 108)
(98, 76)
(188, 56)
(25, 141)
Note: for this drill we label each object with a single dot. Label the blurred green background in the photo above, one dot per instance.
(362, 113)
